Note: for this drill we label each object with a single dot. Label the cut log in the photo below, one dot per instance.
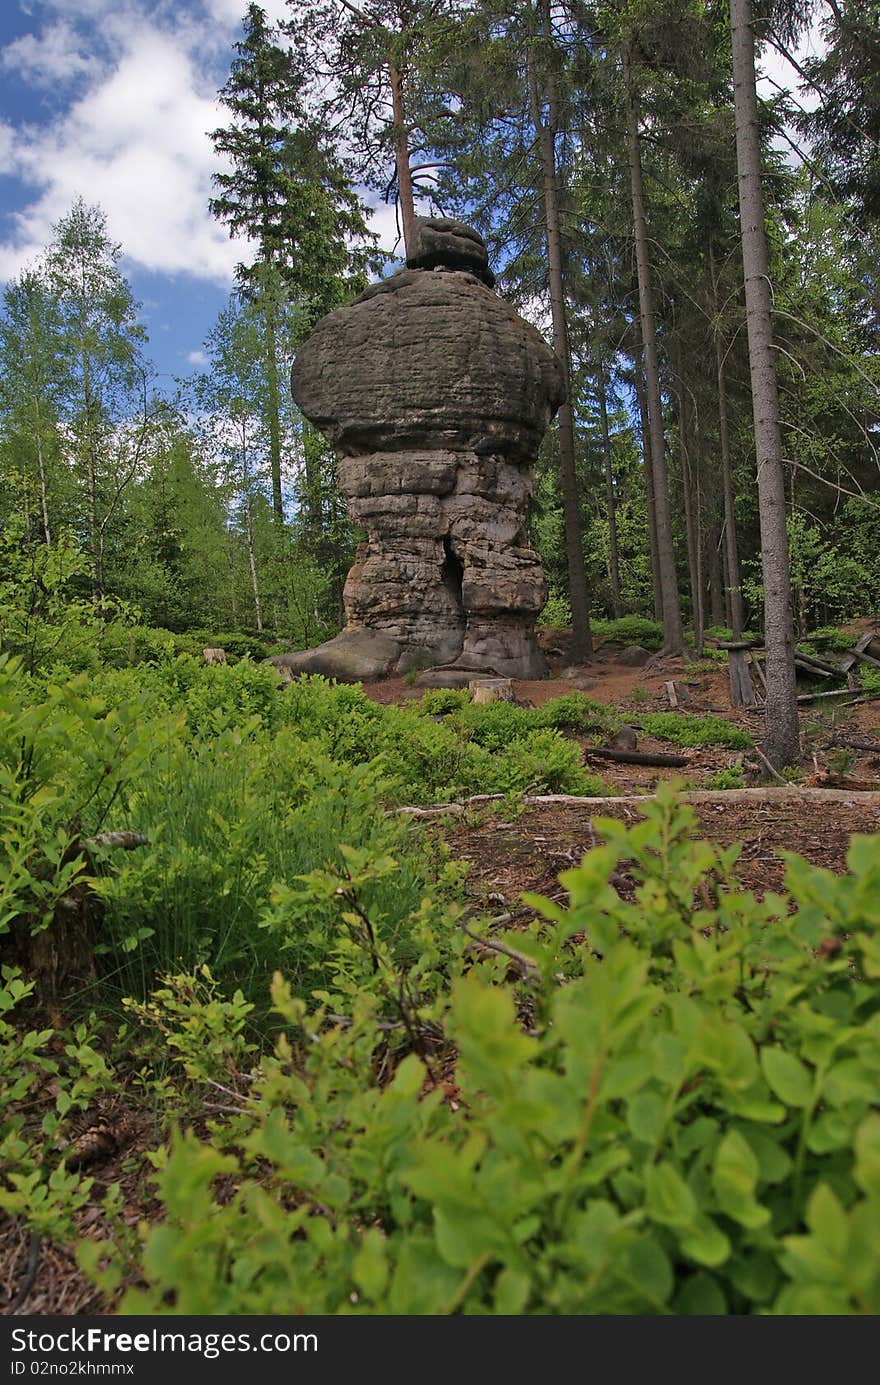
(756, 664)
(852, 655)
(815, 667)
(864, 658)
(677, 693)
(485, 690)
(637, 757)
(742, 692)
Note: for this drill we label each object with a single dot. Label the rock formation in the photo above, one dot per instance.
(435, 395)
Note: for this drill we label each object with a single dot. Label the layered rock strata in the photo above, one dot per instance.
(435, 395)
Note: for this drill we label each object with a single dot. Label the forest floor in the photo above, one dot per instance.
(527, 851)
(528, 854)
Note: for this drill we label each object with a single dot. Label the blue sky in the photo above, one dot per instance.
(113, 99)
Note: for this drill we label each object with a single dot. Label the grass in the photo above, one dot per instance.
(695, 731)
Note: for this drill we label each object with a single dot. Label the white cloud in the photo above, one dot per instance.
(47, 59)
(136, 141)
(197, 358)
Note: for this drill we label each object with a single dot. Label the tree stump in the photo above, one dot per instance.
(491, 690)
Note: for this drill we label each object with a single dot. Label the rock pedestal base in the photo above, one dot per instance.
(435, 395)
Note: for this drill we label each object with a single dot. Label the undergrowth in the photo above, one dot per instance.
(668, 1106)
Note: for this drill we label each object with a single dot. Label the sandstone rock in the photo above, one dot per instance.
(435, 395)
(354, 656)
(485, 690)
(633, 656)
(625, 739)
(442, 242)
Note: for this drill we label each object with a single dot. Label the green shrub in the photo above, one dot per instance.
(556, 614)
(438, 702)
(36, 1185)
(869, 679)
(682, 729)
(688, 1126)
(630, 630)
(731, 777)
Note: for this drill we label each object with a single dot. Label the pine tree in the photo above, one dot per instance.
(782, 738)
(100, 339)
(289, 196)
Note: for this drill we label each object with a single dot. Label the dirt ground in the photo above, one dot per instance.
(507, 858)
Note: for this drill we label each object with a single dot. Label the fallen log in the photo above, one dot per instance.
(815, 667)
(858, 648)
(656, 758)
(123, 841)
(851, 743)
(768, 794)
(852, 693)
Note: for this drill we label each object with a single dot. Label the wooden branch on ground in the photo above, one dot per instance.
(864, 658)
(658, 758)
(815, 667)
(851, 657)
(851, 743)
(769, 794)
(767, 765)
(124, 841)
(852, 693)
(525, 964)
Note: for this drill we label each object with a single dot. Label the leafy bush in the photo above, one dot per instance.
(630, 630)
(870, 679)
(65, 761)
(36, 1185)
(828, 637)
(682, 729)
(556, 614)
(731, 777)
(689, 1125)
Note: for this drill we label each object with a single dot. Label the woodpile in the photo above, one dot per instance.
(748, 680)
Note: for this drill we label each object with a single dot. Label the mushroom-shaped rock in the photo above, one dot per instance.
(436, 395)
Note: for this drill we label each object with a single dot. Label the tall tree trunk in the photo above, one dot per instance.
(274, 411)
(614, 563)
(41, 471)
(582, 642)
(311, 451)
(781, 731)
(692, 526)
(731, 547)
(401, 155)
(717, 608)
(673, 633)
(648, 468)
(230, 551)
(249, 529)
(97, 576)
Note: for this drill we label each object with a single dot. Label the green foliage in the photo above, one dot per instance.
(869, 679)
(556, 614)
(688, 730)
(731, 777)
(630, 630)
(65, 762)
(689, 1126)
(35, 1184)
